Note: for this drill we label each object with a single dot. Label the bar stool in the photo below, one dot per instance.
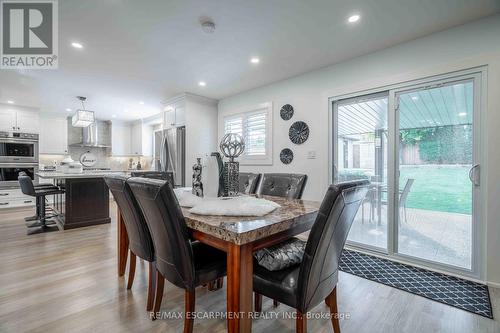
(28, 188)
(37, 187)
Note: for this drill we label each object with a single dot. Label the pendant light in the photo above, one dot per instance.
(82, 117)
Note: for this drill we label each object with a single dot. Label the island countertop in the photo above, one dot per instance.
(85, 174)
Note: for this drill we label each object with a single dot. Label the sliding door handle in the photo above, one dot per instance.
(474, 175)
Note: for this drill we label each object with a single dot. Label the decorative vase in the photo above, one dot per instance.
(210, 177)
(220, 166)
(197, 183)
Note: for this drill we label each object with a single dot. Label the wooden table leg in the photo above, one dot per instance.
(239, 288)
(122, 243)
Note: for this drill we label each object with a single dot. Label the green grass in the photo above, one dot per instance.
(439, 188)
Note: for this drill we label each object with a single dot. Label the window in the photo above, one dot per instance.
(255, 127)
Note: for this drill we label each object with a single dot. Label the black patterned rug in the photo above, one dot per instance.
(462, 294)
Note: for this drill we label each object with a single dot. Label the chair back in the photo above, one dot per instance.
(26, 184)
(248, 182)
(286, 185)
(164, 175)
(319, 268)
(140, 242)
(174, 255)
(406, 191)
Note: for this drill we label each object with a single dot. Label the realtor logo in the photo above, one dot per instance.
(29, 34)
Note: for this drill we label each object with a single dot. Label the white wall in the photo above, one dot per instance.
(467, 46)
(201, 130)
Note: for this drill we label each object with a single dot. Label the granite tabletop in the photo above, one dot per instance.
(243, 230)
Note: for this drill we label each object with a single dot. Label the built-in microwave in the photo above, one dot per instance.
(18, 147)
(10, 171)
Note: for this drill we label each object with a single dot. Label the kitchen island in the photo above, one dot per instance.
(86, 198)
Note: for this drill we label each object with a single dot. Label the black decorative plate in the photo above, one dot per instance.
(286, 156)
(286, 112)
(298, 132)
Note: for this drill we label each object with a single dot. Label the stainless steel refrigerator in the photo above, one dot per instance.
(170, 153)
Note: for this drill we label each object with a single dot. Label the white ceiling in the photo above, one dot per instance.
(152, 50)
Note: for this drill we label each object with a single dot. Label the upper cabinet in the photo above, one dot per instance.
(121, 139)
(175, 116)
(18, 119)
(53, 135)
(130, 139)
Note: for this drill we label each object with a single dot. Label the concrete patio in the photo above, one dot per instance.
(437, 236)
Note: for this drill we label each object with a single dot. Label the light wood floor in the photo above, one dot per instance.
(66, 282)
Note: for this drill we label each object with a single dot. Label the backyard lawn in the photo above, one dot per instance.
(442, 188)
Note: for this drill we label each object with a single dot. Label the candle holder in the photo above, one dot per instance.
(232, 145)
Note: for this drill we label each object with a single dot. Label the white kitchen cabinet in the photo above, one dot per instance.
(7, 120)
(53, 135)
(28, 121)
(121, 139)
(142, 139)
(19, 119)
(13, 198)
(175, 116)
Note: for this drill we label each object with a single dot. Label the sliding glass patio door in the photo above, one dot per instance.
(435, 164)
(361, 152)
(418, 145)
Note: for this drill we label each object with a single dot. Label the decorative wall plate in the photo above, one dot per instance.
(286, 112)
(298, 132)
(286, 156)
(88, 159)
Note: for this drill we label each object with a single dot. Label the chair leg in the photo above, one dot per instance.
(331, 301)
(189, 302)
(220, 283)
(276, 303)
(131, 270)
(257, 302)
(160, 283)
(301, 323)
(151, 287)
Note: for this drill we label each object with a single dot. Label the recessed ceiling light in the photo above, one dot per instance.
(353, 18)
(68, 109)
(415, 98)
(114, 116)
(462, 114)
(202, 83)
(255, 60)
(10, 102)
(77, 45)
(141, 102)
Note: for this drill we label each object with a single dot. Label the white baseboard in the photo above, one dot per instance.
(493, 284)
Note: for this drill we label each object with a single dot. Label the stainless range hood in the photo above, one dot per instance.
(98, 134)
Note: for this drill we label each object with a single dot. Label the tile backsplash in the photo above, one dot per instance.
(104, 159)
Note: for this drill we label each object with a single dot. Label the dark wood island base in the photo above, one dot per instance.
(85, 203)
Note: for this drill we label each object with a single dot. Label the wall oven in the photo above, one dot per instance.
(10, 171)
(18, 147)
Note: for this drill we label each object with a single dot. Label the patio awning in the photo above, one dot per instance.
(439, 106)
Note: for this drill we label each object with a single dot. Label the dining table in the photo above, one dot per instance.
(239, 237)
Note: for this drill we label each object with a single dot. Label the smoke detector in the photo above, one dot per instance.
(208, 26)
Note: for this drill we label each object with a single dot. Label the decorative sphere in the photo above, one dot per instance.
(232, 145)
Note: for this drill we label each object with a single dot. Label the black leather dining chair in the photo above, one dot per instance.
(286, 185)
(248, 182)
(182, 261)
(306, 285)
(140, 242)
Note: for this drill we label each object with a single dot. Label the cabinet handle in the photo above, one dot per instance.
(4, 203)
(28, 201)
(4, 194)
